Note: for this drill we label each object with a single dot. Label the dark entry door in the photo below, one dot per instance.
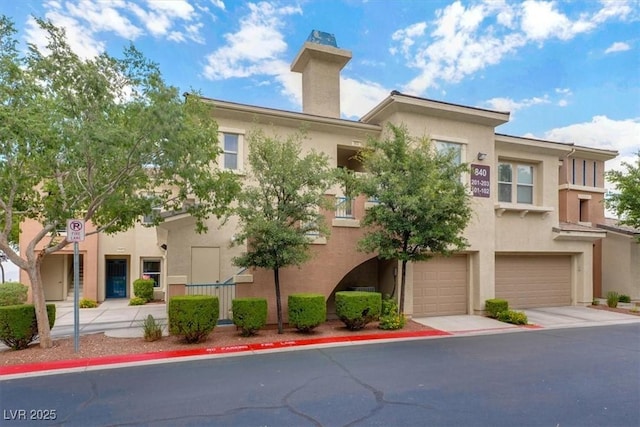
(116, 278)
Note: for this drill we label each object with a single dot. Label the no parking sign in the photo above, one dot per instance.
(75, 230)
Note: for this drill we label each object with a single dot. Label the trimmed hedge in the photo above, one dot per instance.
(143, 288)
(193, 316)
(514, 317)
(87, 303)
(249, 314)
(137, 301)
(18, 324)
(306, 311)
(13, 293)
(495, 306)
(356, 309)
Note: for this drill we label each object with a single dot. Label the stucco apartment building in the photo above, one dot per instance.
(534, 238)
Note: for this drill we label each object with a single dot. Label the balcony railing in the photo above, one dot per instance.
(344, 207)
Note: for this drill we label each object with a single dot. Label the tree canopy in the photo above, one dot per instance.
(422, 205)
(280, 205)
(102, 139)
(625, 201)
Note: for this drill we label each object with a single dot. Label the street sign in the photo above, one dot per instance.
(75, 230)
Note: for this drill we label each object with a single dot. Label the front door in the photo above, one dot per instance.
(116, 278)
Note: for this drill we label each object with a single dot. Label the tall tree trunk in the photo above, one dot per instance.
(276, 278)
(403, 282)
(37, 294)
(2, 269)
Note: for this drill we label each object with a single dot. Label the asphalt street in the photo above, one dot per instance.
(563, 377)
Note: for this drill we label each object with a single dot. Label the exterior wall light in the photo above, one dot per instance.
(482, 156)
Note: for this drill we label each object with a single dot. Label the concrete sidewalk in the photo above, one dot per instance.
(110, 315)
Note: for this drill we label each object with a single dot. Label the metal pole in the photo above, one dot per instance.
(76, 302)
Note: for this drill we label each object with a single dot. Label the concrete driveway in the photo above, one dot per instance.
(545, 318)
(574, 317)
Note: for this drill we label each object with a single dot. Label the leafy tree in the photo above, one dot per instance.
(626, 200)
(279, 207)
(423, 207)
(92, 139)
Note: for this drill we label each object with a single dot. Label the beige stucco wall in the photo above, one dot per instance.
(621, 265)
(133, 245)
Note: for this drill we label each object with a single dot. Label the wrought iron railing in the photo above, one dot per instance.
(344, 207)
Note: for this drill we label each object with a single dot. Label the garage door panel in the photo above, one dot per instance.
(534, 281)
(440, 287)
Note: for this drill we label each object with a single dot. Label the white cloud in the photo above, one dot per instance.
(511, 105)
(85, 21)
(601, 132)
(255, 49)
(617, 47)
(468, 37)
(358, 98)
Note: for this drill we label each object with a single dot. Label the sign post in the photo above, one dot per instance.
(75, 234)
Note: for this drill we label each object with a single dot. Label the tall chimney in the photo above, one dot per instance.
(320, 61)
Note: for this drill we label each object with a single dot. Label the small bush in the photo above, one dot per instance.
(306, 311)
(514, 317)
(391, 319)
(624, 298)
(143, 288)
(495, 306)
(13, 293)
(137, 301)
(249, 314)
(612, 299)
(152, 329)
(356, 309)
(87, 303)
(193, 316)
(18, 324)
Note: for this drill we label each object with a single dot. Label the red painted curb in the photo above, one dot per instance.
(203, 351)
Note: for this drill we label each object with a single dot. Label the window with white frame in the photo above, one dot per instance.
(231, 143)
(444, 147)
(151, 217)
(152, 268)
(515, 183)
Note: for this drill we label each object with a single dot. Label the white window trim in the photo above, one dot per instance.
(514, 181)
(241, 137)
(159, 273)
(463, 143)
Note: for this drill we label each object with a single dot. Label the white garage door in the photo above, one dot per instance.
(440, 287)
(534, 281)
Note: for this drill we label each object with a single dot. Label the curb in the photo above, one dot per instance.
(61, 366)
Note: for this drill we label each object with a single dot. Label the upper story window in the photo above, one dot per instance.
(231, 143)
(515, 183)
(446, 147)
(151, 217)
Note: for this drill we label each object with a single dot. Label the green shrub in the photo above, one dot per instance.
(624, 298)
(356, 309)
(612, 299)
(193, 317)
(18, 324)
(87, 303)
(391, 319)
(137, 301)
(495, 306)
(13, 293)
(152, 329)
(143, 288)
(515, 317)
(249, 314)
(306, 311)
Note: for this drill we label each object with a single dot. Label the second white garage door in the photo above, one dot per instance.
(529, 281)
(440, 287)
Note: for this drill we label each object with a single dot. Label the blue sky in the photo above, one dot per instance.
(567, 71)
